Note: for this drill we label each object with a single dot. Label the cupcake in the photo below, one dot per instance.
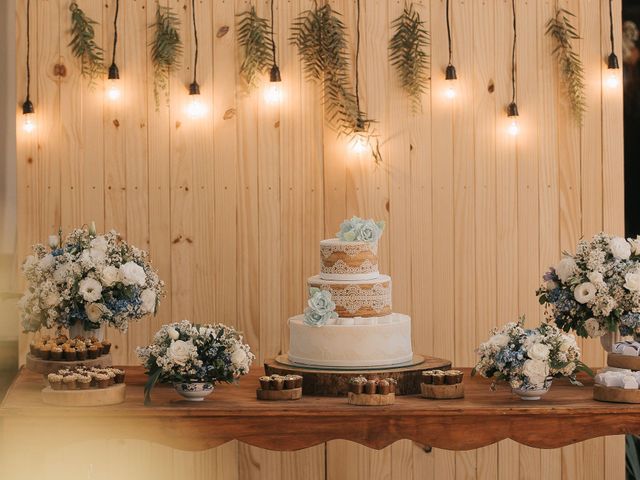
(277, 382)
(56, 353)
(69, 381)
(55, 381)
(45, 352)
(106, 346)
(83, 381)
(81, 353)
(93, 352)
(119, 375)
(438, 378)
(38, 349)
(370, 386)
(61, 339)
(265, 383)
(356, 384)
(297, 381)
(112, 375)
(290, 382)
(459, 376)
(70, 354)
(393, 384)
(383, 387)
(427, 377)
(102, 380)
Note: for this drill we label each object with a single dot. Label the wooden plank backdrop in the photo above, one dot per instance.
(232, 206)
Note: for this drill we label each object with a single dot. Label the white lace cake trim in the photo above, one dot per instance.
(350, 249)
(341, 267)
(354, 298)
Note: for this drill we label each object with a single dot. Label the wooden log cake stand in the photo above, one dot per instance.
(335, 383)
(45, 367)
(92, 397)
(617, 360)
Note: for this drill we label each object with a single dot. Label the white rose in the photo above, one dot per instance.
(110, 275)
(47, 262)
(99, 243)
(536, 371)
(592, 326)
(173, 333)
(60, 273)
(539, 351)
(54, 241)
(148, 298)
(635, 245)
(90, 289)
(620, 248)
(239, 357)
(499, 340)
(180, 351)
(632, 281)
(95, 311)
(566, 269)
(52, 299)
(585, 292)
(132, 274)
(595, 277)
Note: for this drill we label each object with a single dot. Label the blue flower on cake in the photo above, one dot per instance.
(357, 229)
(321, 308)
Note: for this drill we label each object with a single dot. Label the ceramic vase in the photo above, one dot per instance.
(194, 391)
(529, 393)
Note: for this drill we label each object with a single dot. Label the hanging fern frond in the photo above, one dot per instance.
(166, 50)
(321, 39)
(407, 53)
(560, 29)
(254, 36)
(83, 44)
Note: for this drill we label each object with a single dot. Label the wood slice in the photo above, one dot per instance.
(615, 394)
(92, 397)
(442, 392)
(371, 400)
(335, 383)
(291, 394)
(45, 367)
(630, 362)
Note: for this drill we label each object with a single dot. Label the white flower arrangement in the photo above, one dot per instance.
(321, 308)
(597, 290)
(89, 279)
(185, 352)
(357, 229)
(529, 358)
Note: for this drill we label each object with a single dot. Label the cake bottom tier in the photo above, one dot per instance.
(375, 345)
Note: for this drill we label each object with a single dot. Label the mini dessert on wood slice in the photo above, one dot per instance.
(617, 385)
(85, 387)
(279, 387)
(372, 392)
(50, 354)
(442, 385)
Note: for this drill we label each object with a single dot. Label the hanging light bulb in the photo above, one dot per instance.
(359, 142)
(273, 91)
(113, 83)
(514, 126)
(451, 78)
(28, 117)
(195, 107)
(612, 78)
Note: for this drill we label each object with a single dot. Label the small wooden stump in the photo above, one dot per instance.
(91, 397)
(45, 367)
(371, 399)
(291, 394)
(617, 360)
(615, 394)
(442, 392)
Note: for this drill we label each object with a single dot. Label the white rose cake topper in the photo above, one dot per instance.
(597, 290)
(321, 309)
(88, 279)
(357, 229)
(182, 352)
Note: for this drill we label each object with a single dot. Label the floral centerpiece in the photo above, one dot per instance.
(88, 280)
(597, 290)
(321, 309)
(357, 229)
(194, 358)
(528, 359)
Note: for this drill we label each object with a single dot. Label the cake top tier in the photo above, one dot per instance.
(340, 260)
(357, 229)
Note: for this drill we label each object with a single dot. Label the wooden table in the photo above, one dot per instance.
(567, 414)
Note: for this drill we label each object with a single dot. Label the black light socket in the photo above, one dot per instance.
(274, 75)
(194, 89)
(450, 73)
(114, 73)
(27, 107)
(612, 61)
(512, 110)
(360, 125)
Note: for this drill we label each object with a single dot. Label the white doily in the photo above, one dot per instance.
(351, 249)
(341, 267)
(354, 298)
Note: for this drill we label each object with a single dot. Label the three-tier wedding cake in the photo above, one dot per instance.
(349, 321)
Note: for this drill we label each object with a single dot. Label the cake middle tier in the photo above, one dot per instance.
(363, 298)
